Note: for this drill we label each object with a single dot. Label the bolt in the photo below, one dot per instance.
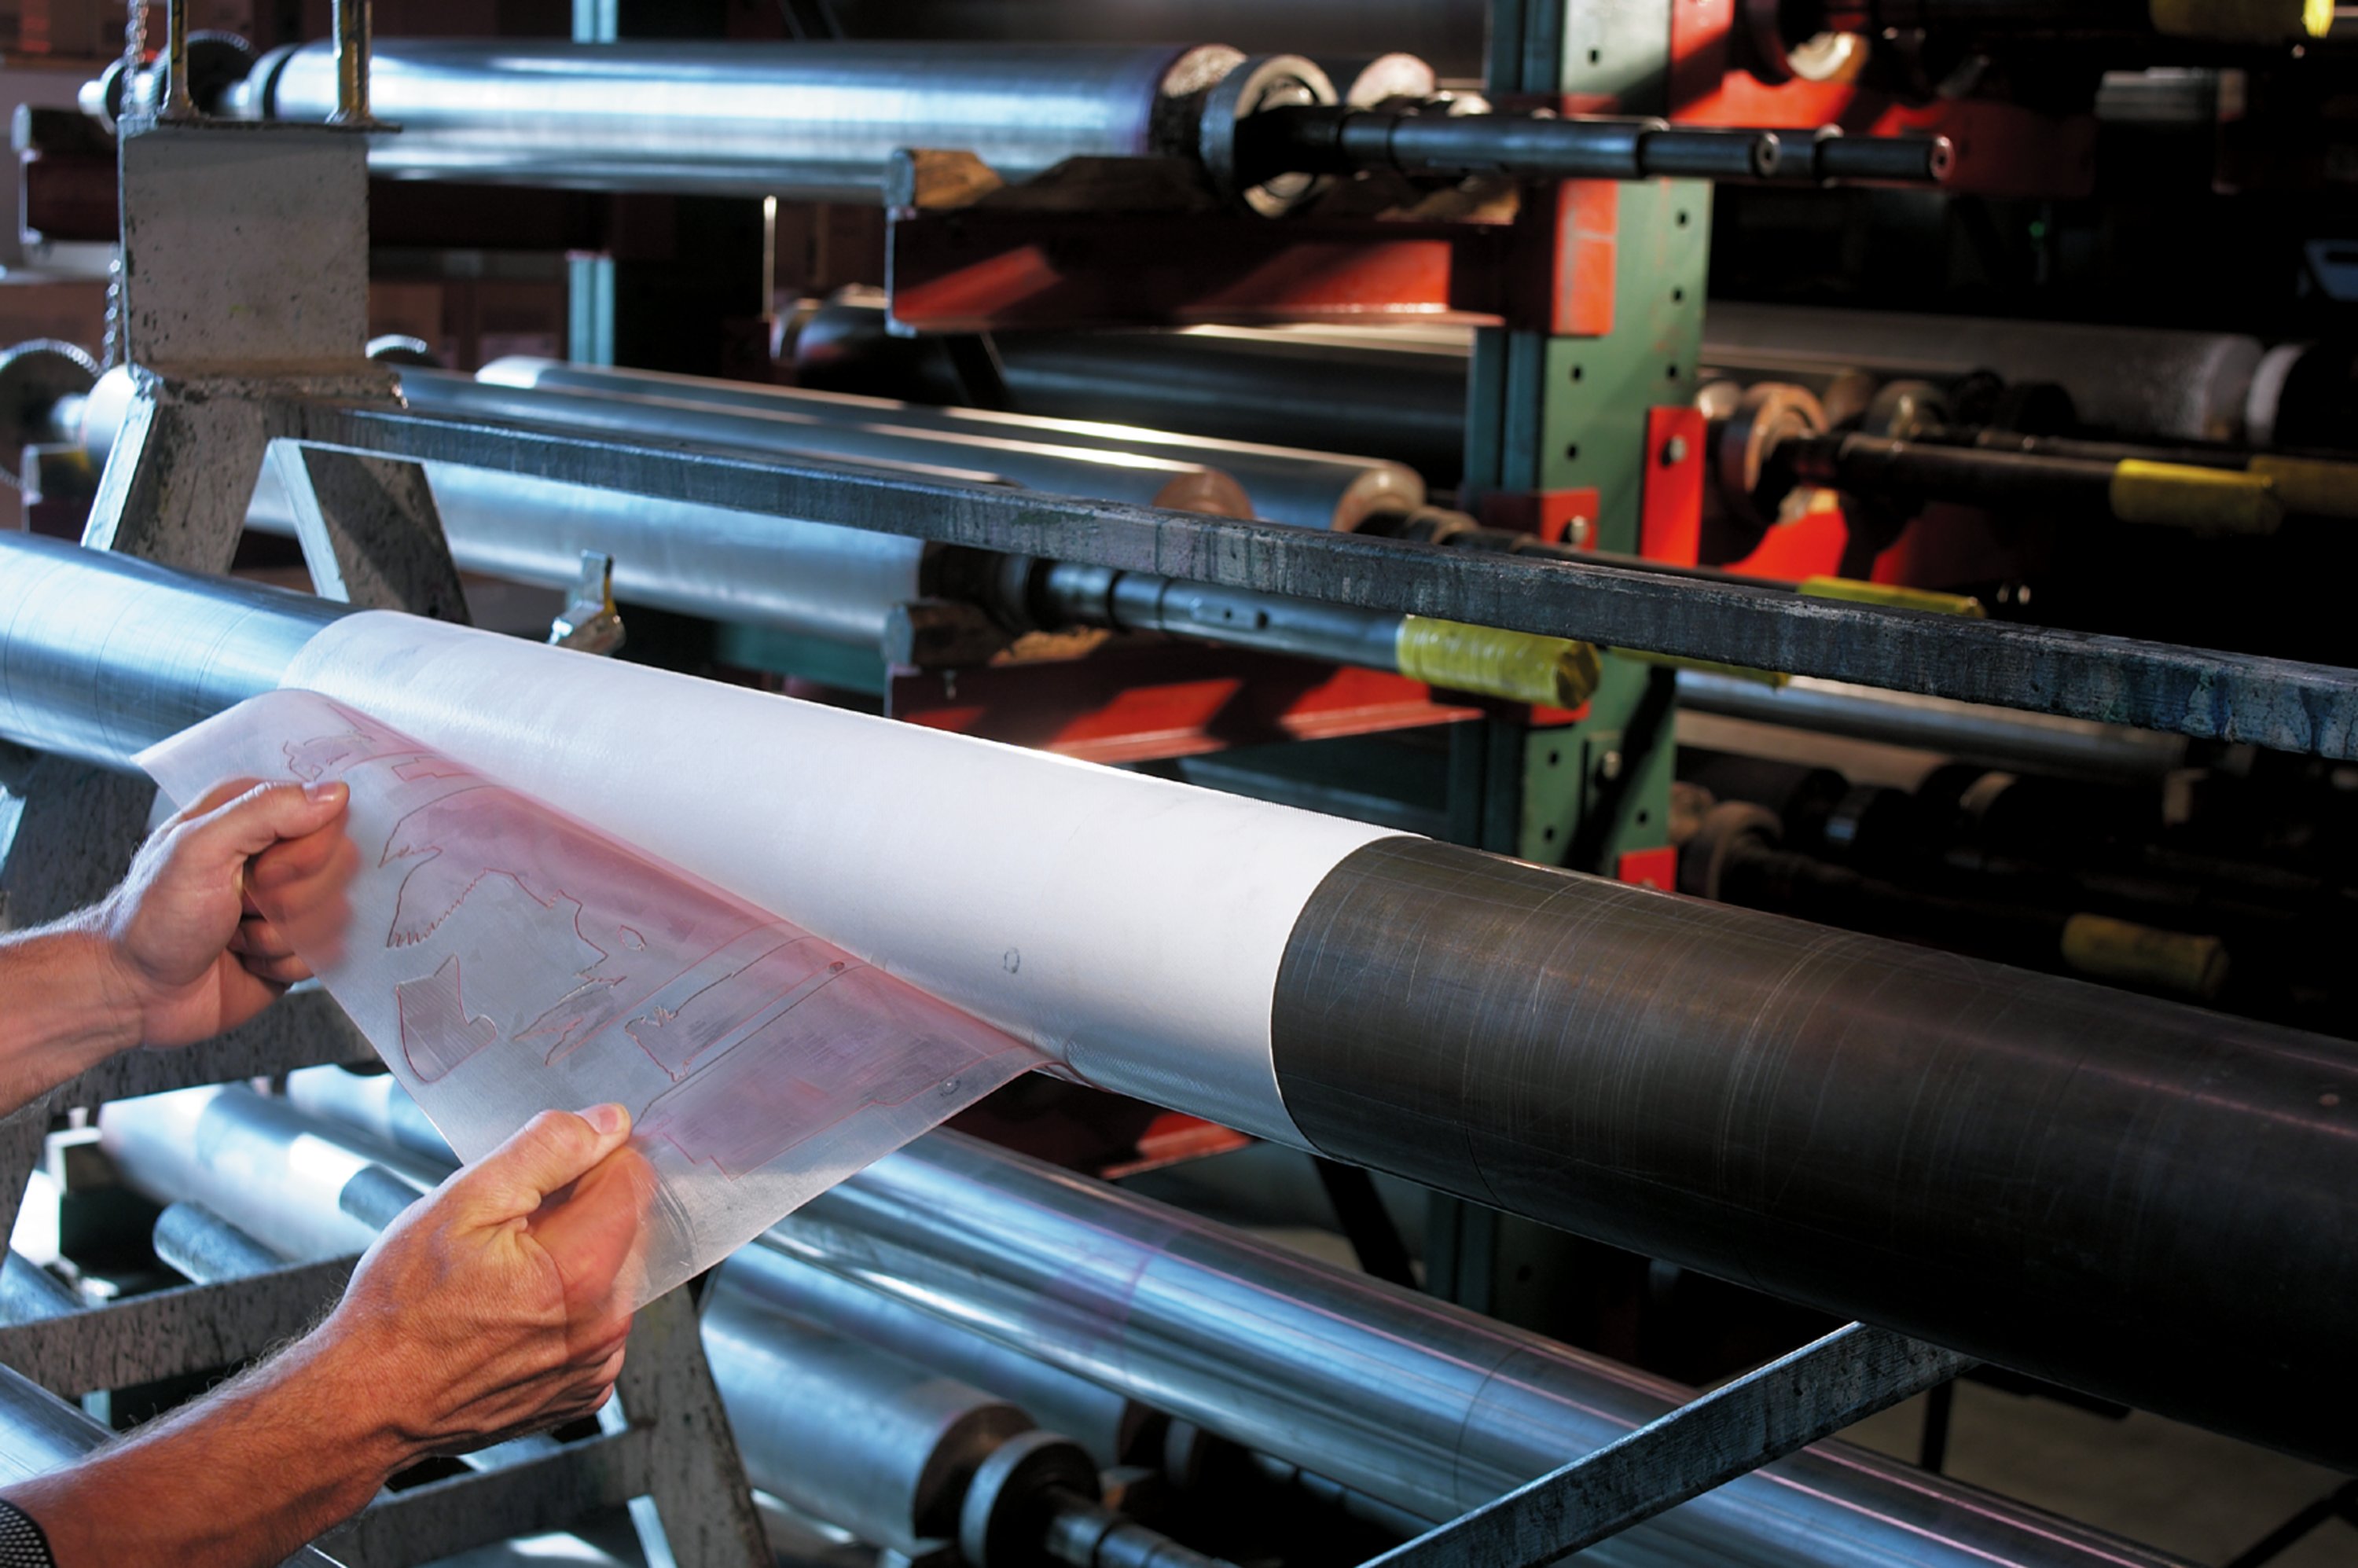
(1674, 451)
(1608, 766)
(1575, 533)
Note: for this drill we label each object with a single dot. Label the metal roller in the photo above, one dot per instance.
(1286, 484)
(256, 1162)
(1401, 394)
(1414, 1402)
(808, 579)
(1116, 1429)
(2038, 742)
(805, 122)
(824, 121)
(1421, 1406)
(2040, 1172)
(847, 1433)
(1106, 475)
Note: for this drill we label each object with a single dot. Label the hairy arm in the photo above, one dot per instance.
(177, 952)
(483, 1313)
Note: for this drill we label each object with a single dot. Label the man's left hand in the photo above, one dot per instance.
(185, 946)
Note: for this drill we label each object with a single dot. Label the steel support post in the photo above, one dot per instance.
(1763, 1415)
(245, 292)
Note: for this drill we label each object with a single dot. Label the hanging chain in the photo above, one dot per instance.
(134, 56)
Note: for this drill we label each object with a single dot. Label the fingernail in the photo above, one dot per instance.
(323, 792)
(608, 1119)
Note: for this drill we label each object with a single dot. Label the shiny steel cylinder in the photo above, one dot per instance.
(1418, 1404)
(1145, 481)
(809, 579)
(2034, 742)
(29, 1292)
(845, 1432)
(201, 1244)
(815, 122)
(40, 1432)
(1111, 1426)
(259, 1163)
(1401, 396)
(101, 656)
(1287, 484)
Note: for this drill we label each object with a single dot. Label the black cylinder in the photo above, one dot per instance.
(2143, 1201)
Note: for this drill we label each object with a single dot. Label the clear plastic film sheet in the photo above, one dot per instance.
(505, 958)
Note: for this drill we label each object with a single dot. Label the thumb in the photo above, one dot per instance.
(553, 1149)
(260, 818)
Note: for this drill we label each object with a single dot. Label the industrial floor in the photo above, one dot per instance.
(2200, 1496)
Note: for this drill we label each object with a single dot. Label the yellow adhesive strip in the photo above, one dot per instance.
(2206, 501)
(1553, 672)
(2314, 487)
(2106, 948)
(1891, 597)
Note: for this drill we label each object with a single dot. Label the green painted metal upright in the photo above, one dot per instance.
(1551, 413)
(1558, 413)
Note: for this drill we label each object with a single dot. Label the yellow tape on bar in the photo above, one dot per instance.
(2314, 487)
(1890, 597)
(2206, 501)
(2111, 950)
(2242, 21)
(1553, 672)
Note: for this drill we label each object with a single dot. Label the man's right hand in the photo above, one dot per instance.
(486, 1311)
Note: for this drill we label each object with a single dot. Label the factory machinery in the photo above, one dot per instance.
(1819, 665)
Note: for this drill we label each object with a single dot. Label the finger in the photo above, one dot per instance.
(592, 1236)
(278, 973)
(551, 1150)
(296, 858)
(213, 800)
(258, 938)
(225, 838)
(245, 994)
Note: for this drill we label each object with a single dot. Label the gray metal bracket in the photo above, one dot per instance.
(1763, 1415)
(245, 296)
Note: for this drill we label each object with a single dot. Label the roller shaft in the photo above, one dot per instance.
(1340, 139)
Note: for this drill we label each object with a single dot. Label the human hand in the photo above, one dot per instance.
(487, 1311)
(188, 952)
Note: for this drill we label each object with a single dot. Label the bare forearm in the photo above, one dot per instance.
(240, 1479)
(62, 1009)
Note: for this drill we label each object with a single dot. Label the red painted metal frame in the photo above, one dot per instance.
(1156, 700)
(983, 269)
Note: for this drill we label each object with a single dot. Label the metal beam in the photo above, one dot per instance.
(2276, 703)
(1766, 1414)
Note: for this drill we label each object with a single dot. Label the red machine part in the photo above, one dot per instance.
(1121, 704)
